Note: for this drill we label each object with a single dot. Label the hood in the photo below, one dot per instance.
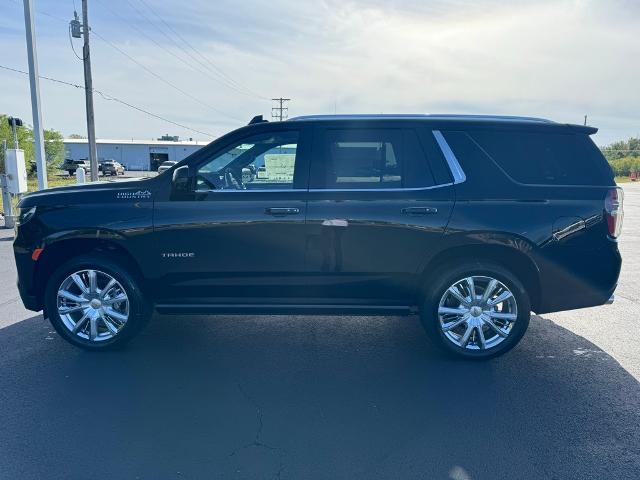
(98, 192)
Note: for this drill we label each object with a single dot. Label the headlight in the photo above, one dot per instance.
(24, 215)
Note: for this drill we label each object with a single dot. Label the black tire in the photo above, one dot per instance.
(71, 172)
(448, 276)
(139, 309)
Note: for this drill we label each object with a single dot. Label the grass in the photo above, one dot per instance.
(52, 181)
(622, 179)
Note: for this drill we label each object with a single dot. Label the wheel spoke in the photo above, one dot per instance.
(494, 327)
(116, 299)
(456, 293)
(500, 298)
(112, 328)
(472, 288)
(71, 296)
(80, 323)
(67, 310)
(80, 283)
(467, 334)
(108, 287)
(489, 290)
(93, 328)
(451, 325)
(481, 339)
(113, 314)
(502, 316)
(93, 281)
(452, 311)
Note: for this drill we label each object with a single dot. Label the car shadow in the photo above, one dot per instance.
(311, 397)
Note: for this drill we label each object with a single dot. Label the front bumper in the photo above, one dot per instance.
(31, 302)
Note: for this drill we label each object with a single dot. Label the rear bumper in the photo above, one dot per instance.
(574, 279)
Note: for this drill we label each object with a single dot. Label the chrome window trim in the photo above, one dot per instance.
(315, 190)
(456, 170)
(277, 190)
(407, 189)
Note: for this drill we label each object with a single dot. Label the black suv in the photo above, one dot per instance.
(472, 222)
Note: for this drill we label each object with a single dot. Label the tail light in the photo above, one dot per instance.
(613, 211)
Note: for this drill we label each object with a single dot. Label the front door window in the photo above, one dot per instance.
(260, 162)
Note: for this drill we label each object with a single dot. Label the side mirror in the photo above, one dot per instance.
(181, 180)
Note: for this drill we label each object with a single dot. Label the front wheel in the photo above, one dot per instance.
(476, 311)
(95, 303)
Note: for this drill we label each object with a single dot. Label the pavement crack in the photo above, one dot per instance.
(257, 439)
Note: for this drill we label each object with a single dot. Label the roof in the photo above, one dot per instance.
(180, 143)
(479, 118)
(478, 121)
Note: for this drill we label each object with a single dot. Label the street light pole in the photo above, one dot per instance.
(88, 90)
(34, 82)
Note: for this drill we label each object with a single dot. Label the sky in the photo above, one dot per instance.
(212, 66)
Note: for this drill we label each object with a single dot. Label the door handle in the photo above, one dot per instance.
(281, 211)
(419, 210)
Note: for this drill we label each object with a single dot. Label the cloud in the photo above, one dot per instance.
(559, 59)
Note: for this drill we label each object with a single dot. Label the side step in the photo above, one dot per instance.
(283, 309)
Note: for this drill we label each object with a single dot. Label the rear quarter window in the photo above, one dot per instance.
(545, 158)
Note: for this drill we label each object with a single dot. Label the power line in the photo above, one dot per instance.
(227, 82)
(151, 72)
(108, 97)
(155, 42)
(217, 69)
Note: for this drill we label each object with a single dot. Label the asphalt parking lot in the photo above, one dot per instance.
(324, 397)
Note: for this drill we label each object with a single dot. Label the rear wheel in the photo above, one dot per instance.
(95, 303)
(476, 311)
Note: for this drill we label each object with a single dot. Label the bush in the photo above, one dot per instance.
(625, 165)
(53, 146)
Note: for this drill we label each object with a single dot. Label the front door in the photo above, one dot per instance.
(376, 211)
(240, 238)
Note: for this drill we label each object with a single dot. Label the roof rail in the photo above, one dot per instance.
(498, 118)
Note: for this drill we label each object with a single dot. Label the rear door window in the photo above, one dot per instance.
(544, 158)
(378, 158)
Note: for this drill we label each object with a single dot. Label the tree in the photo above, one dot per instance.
(77, 136)
(621, 149)
(53, 146)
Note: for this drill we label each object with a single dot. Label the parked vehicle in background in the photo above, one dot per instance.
(111, 167)
(72, 165)
(472, 222)
(164, 166)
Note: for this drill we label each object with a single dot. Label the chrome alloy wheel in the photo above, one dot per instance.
(93, 305)
(477, 313)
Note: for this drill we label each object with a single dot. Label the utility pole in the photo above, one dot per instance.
(585, 120)
(280, 111)
(88, 92)
(34, 83)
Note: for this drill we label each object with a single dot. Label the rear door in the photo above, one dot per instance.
(379, 200)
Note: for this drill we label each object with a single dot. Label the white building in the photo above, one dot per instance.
(134, 154)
